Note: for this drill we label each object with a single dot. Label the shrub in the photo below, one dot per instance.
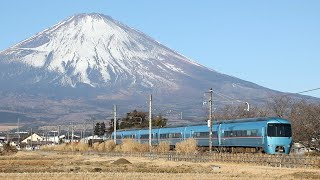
(8, 149)
(61, 147)
(109, 145)
(101, 147)
(188, 146)
(82, 147)
(163, 147)
(129, 145)
(117, 148)
(95, 146)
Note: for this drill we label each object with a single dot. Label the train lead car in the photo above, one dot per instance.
(271, 135)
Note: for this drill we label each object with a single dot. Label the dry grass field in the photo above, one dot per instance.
(52, 165)
(7, 127)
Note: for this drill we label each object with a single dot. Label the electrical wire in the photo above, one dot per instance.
(308, 91)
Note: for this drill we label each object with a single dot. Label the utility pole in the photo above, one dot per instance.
(92, 129)
(115, 123)
(68, 134)
(150, 123)
(58, 134)
(84, 132)
(31, 139)
(46, 135)
(72, 132)
(18, 131)
(210, 121)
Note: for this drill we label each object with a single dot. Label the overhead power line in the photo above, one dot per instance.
(308, 90)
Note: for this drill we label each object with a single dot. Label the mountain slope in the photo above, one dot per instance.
(94, 50)
(93, 57)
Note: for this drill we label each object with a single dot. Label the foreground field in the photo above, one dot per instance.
(45, 165)
(7, 127)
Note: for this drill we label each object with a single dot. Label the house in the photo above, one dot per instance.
(69, 138)
(33, 138)
(34, 142)
(91, 139)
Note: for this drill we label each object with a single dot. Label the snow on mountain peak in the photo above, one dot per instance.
(98, 51)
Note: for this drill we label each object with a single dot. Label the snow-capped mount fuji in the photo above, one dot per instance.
(97, 61)
(97, 51)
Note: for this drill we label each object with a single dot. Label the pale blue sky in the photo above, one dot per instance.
(274, 43)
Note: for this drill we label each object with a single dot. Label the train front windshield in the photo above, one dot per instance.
(279, 130)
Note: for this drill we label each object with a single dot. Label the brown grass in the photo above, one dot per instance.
(188, 146)
(109, 146)
(51, 165)
(81, 147)
(95, 146)
(129, 145)
(163, 147)
(4, 127)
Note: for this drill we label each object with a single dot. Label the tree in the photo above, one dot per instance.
(159, 121)
(138, 119)
(239, 112)
(99, 129)
(305, 120)
(102, 128)
(134, 119)
(110, 129)
(280, 106)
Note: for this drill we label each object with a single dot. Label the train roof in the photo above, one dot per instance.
(249, 120)
(233, 121)
(260, 119)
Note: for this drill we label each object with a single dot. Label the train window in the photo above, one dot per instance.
(178, 135)
(215, 134)
(131, 136)
(175, 135)
(195, 134)
(144, 136)
(201, 134)
(170, 135)
(279, 130)
(231, 134)
(238, 133)
(163, 136)
(254, 132)
(204, 134)
(249, 133)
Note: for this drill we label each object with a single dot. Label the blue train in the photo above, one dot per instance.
(269, 135)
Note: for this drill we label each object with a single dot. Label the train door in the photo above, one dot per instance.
(157, 138)
(263, 135)
(139, 136)
(219, 133)
(191, 133)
